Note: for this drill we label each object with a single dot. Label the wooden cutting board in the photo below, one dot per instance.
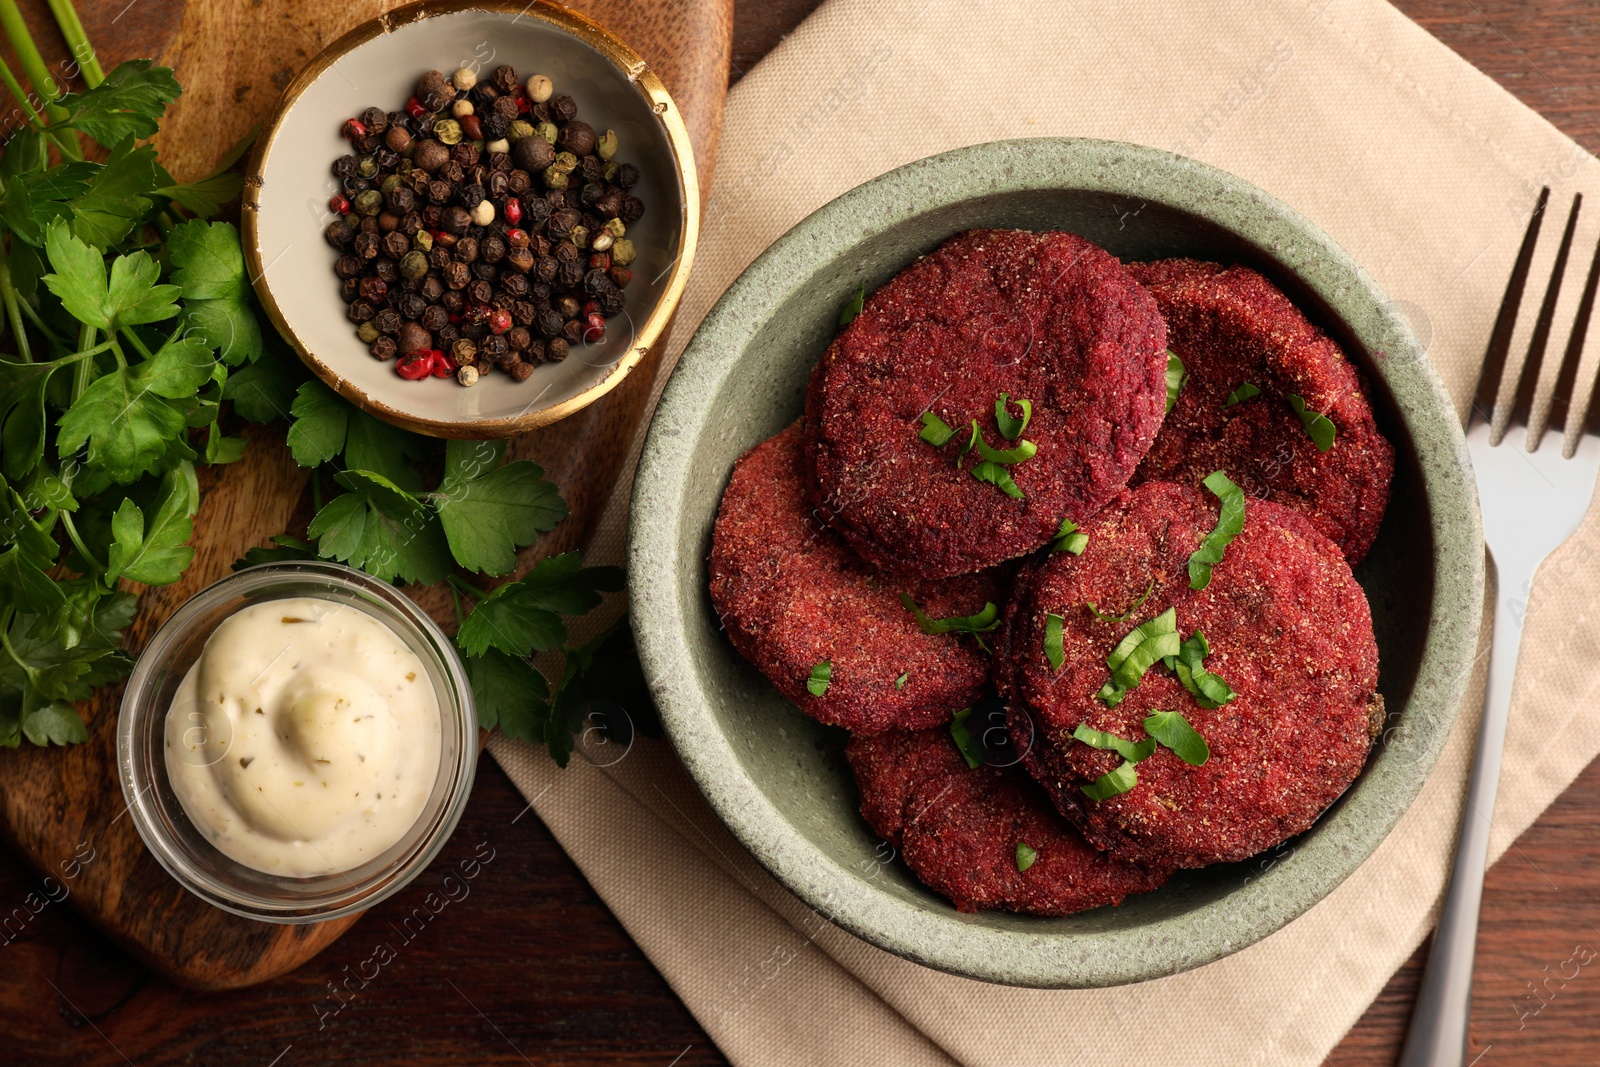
(58, 807)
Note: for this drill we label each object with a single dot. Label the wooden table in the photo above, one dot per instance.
(531, 967)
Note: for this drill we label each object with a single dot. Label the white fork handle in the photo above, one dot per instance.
(1438, 1034)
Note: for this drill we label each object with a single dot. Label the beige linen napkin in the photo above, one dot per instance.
(1414, 161)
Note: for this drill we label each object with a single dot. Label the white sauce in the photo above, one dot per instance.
(305, 739)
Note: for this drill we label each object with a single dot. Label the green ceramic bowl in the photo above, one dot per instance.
(779, 780)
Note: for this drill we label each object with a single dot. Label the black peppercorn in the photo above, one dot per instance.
(535, 351)
(422, 125)
(518, 339)
(410, 223)
(577, 138)
(569, 275)
(469, 196)
(497, 186)
(494, 347)
(359, 311)
(556, 350)
(349, 289)
(486, 271)
(545, 267)
(410, 306)
(504, 78)
(455, 219)
(400, 199)
(386, 269)
(338, 234)
(373, 289)
(627, 175)
(387, 320)
(609, 206)
(466, 249)
(475, 331)
(386, 158)
(520, 371)
(480, 291)
(517, 181)
(439, 258)
(383, 348)
(523, 313)
(447, 334)
(395, 245)
(495, 126)
(366, 245)
(563, 108)
(439, 192)
(434, 317)
(432, 287)
(591, 168)
(632, 209)
(611, 302)
(493, 248)
(354, 185)
(515, 284)
(453, 301)
(456, 275)
(549, 323)
(565, 252)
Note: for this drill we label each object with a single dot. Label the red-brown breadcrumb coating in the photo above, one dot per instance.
(1289, 630)
(1230, 325)
(792, 595)
(959, 828)
(1047, 317)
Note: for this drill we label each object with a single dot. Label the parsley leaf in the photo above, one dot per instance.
(1011, 428)
(264, 390)
(126, 104)
(118, 198)
(821, 676)
(963, 738)
(1152, 640)
(523, 617)
(1176, 376)
(382, 529)
(1318, 426)
(56, 722)
(1126, 615)
(1052, 641)
(996, 474)
(981, 622)
(1173, 731)
(510, 694)
(1230, 523)
(130, 428)
(935, 431)
(284, 549)
(848, 313)
(1112, 783)
(157, 553)
(206, 196)
(1132, 751)
(1068, 539)
(488, 512)
(1246, 391)
(1008, 457)
(22, 418)
(209, 268)
(1026, 855)
(131, 296)
(1209, 689)
(321, 422)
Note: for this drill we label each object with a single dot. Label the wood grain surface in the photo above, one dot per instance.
(63, 809)
(532, 969)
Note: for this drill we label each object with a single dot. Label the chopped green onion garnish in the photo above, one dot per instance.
(1175, 378)
(1126, 615)
(969, 748)
(1026, 854)
(1011, 428)
(980, 623)
(1007, 457)
(971, 441)
(821, 675)
(1112, 784)
(1318, 427)
(848, 313)
(935, 430)
(997, 475)
(1151, 640)
(1241, 394)
(900, 682)
(1132, 751)
(1208, 689)
(1230, 521)
(1068, 539)
(1174, 731)
(1052, 642)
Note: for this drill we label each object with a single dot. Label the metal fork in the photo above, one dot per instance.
(1533, 500)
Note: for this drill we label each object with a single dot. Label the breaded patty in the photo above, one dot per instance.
(792, 596)
(959, 829)
(1045, 317)
(1288, 629)
(1231, 327)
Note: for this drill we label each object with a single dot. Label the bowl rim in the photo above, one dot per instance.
(616, 52)
(945, 940)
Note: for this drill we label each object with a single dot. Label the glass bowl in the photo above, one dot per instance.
(180, 846)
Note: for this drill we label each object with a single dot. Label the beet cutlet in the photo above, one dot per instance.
(1237, 334)
(960, 827)
(1287, 628)
(792, 597)
(1046, 318)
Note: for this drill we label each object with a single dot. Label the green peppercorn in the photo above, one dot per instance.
(609, 171)
(566, 162)
(622, 252)
(606, 146)
(548, 131)
(368, 167)
(447, 131)
(389, 184)
(368, 333)
(580, 236)
(369, 202)
(518, 130)
(553, 178)
(423, 240)
(413, 265)
(615, 227)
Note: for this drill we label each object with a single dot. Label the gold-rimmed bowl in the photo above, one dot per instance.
(285, 206)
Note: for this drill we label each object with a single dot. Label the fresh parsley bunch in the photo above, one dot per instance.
(127, 323)
(406, 508)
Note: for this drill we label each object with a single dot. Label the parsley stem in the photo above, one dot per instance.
(8, 293)
(34, 66)
(77, 542)
(459, 583)
(83, 373)
(133, 337)
(78, 41)
(455, 598)
(116, 350)
(5, 639)
(20, 95)
(44, 328)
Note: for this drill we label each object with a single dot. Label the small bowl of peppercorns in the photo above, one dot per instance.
(472, 218)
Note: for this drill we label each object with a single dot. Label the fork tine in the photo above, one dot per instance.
(1532, 330)
(1554, 405)
(1494, 359)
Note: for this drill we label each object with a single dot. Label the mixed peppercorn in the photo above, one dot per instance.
(481, 226)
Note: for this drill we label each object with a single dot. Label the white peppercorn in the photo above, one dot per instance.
(464, 79)
(467, 375)
(483, 214)
(540, 88)
(461, 108)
